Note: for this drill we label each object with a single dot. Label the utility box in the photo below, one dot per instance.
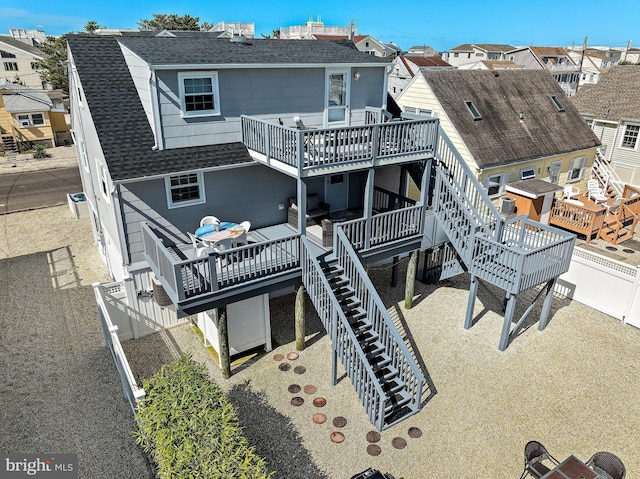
(78, 205)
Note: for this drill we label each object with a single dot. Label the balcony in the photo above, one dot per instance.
(313, 152)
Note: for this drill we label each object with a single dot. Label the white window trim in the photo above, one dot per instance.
(635, 147)
(347, 94)
(171, 204)
(503, 178)
(529, 176)
(103, 178)
(216, 94)
(572, 167)
(28, 123)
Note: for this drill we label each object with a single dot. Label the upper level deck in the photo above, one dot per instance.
(320, 151)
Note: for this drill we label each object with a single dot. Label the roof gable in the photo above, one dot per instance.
(500, 137)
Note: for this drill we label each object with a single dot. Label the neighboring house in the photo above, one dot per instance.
(245, 29)
(29, 117)
(471, 53)
(405, 67)
(292, 137)
(631, 55)
(555, 60)
(508, 125)
(422, 51)
(592, 65)
(302, 32)
(18, 63)
(365, 43)
(491, 65)
(612, 108)
(30, 37)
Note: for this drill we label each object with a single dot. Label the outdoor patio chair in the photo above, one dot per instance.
(595, 193)
(242, 239)
(534, 454)
(209, 220)
(607, 465)
(570, 192)
(614, 207)
(200, 247)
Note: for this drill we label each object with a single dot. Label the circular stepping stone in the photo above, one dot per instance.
(373, 436)
(373, 450)
(310, 389)
(284, 366)
(297, 401)
(414, 432)
(319, 418)
(292, 356)
(319, 402)
(294, 388)
(278, 357)
(299, 369)
(398, 443)
(337, 437)
(339, 421)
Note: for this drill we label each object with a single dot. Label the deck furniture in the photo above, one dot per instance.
(534, 454)
(242, 239)
(607, 465)
(209, 220)
(327, 225)
(316, 210)
(572, 468)
(223, 239)
(570, 192)
(595, 192)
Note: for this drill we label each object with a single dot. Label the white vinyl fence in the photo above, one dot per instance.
(604, 284)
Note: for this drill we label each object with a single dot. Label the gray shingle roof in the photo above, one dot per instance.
(207, 49)
(124, 132)
(500, 137)
(20, 45)
(615, 96)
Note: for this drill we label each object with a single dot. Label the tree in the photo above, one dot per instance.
(92, 26)
(53, 67)
(162, 21)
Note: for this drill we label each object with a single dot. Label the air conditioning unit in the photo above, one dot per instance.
(508, 205)
(159, 293)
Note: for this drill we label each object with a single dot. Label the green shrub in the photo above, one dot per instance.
(40, 151)
(190, 429)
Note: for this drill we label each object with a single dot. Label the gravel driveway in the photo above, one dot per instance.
(59, 388)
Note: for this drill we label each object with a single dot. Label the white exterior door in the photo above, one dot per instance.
(337, 99)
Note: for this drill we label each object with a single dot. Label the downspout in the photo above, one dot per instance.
(117, 200)
(155, 102)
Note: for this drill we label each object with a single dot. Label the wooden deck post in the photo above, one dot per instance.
(508, 317)
(471, 302)
(412, 268)
(300, 326)
(223, 337)
(546, 305)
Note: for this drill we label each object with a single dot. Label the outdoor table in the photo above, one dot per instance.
(233, 232)
(571, 468)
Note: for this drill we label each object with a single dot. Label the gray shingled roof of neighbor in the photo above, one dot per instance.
(209, 50)
(125, 135)
(21, 45)
(500, 137)
(614, 97)
(36, 101)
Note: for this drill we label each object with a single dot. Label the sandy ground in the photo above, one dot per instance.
(59, 388)
(59, 157)
(572, 386)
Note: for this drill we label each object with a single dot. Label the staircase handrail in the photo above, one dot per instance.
(461, 176)
(309, 259)
(605, 174)
(348, 253)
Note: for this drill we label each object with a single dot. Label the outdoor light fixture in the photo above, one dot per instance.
(356, 76)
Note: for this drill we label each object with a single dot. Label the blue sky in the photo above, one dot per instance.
(442, 24)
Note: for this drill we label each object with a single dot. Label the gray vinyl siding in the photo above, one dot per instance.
(252, 193)
(140, 74)
(271, 94)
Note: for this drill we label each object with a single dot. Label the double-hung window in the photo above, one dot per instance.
(28, 120)
(577, 169)
(199, 93)
(185, 190)
(630, 137)
(495, 184)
